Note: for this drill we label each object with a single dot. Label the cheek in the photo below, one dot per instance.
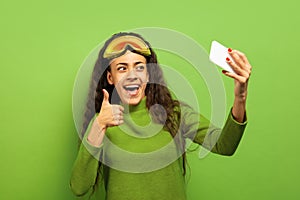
(144, 77)
(118, 80)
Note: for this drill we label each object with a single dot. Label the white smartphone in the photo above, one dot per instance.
(218, 54)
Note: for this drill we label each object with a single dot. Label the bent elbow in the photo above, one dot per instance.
(78, 191)
(228, 153)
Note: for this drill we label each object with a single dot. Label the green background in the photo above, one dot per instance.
(43, 44)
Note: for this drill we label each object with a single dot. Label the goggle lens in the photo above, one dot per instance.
(119, 44)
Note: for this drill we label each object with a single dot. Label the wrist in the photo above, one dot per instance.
(95, 138)
(96, 134)
(240, 100)
(100, 126)
(240, 92)
(241, 97)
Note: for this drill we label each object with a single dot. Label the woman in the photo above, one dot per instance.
(130, 112)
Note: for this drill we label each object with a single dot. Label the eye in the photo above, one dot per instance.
(140, 68)
(121, 68)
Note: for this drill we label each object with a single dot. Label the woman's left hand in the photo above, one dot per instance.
(242, 69)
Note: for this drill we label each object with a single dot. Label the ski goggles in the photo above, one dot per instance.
(127, 42)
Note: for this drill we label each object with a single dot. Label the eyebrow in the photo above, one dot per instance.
(136, 63)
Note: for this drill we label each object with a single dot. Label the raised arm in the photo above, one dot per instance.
(223, 141)
(242, 68)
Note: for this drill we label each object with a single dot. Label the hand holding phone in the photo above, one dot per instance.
(218, 54)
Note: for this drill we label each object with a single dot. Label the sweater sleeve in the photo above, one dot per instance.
(220, 141)
(84, 172)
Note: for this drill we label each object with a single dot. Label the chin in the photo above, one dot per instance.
(134, 101)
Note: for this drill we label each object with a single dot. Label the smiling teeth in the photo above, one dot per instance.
(131, 87)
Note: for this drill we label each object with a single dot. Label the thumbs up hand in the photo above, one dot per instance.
(110, 115)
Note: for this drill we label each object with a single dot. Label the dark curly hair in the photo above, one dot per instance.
(156, 92)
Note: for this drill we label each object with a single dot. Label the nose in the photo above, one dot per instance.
(131, 76)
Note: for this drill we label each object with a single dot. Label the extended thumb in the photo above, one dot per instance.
(105, 95)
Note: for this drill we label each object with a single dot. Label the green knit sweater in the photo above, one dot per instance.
(140, 160)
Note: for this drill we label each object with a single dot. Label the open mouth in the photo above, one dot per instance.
(132, 89)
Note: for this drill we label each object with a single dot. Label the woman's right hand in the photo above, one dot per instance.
(110, 115)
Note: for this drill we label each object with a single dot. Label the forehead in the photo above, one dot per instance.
(129, 57)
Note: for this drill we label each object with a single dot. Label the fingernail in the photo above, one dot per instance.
(227, 59)
(229, 50)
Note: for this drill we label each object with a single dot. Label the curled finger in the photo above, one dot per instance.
(240, 79)
(242, 56)
(116, 109)
(121, 108)
(236, 68)
(118, 122)
(248, 66)
(236, 58)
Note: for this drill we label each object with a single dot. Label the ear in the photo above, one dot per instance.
(109, 78)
